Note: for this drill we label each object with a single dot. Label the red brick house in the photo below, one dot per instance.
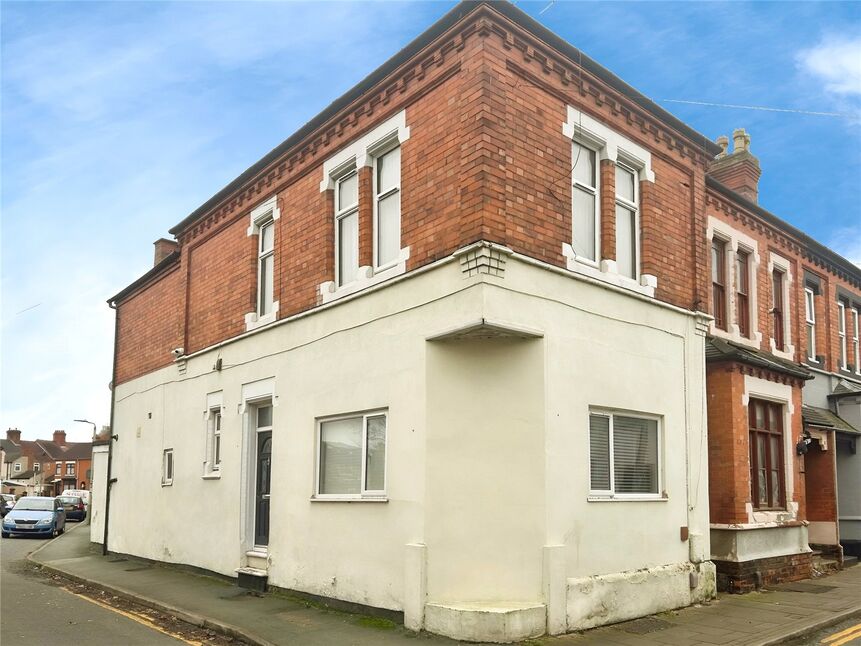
(432, 253)
(47, 467)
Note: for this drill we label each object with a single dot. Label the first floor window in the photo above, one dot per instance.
(627, 205)
(387, 206)
(37, 467)
(719, 282)
(58, 468)
(585, 204)
(17, 467)
(742, 292)
(623, 454)
(810, 317)
(266, 268)
(70, 468)
(347, 228)
(352, 455)
(856, 349)
(766, 454)
(841, 334)
(167, 467)
(777, 310)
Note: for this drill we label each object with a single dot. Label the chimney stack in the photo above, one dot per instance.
(737, 170)
(60, 438)
(163, 248)
(13, 435)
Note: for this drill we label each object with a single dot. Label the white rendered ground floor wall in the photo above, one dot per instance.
(486, 367)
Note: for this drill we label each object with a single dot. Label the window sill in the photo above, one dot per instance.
(167, 484)
(644, 498)
(788, 353)
(608, 273)
(254, 321)
(366, 277)
(349, 499)
(735, 336)
(216, 475)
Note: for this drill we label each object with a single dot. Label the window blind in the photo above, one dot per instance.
(635, 455)
(599, 452)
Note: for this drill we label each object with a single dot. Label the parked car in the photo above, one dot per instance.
(35, 516)
(7, 502)
(81, 493)
(74, 507)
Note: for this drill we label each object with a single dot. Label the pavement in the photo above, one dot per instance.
(785, 613)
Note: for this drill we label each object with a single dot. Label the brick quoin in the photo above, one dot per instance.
(486, 159)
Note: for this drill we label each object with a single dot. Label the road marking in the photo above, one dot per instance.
(141, 619)
(843, 637)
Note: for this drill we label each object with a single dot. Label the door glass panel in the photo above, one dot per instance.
(264, 416)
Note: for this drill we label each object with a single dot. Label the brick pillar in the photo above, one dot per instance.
(607, 179)
(366, 216)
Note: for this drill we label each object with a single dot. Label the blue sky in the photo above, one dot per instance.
(118, 119)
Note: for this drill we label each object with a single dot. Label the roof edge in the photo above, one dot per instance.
(152, 273)
(455, 15)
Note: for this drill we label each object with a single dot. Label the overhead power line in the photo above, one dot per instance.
(760, 107)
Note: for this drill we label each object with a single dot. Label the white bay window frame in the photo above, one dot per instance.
(364, 493)
(263, 215)
(586, 131)
(361, 153)
(598, 495)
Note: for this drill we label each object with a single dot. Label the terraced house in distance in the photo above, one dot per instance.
(443, 352)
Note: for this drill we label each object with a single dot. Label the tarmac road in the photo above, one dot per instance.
(35, 610)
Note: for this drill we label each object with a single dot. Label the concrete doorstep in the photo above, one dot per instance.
(786, 613)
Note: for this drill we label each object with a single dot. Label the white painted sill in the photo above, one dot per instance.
(607, 272)
(167, 484)
(215, 475)
(350, 499)
(366, 277)
(597, 498)
(254, 320)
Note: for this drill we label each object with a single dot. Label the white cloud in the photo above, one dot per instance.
(836, 60)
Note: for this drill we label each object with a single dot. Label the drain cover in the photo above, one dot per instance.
(645, 626)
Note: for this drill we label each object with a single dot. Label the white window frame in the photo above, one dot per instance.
(366, 494)
(359, 154)
(58, 468)
(68, 472)
(856, 341)
(37, 467)
(596, 193)
(262, 255)
(609, 494)
(609, 144)
(841, 335)
(635, 207)
(17, 467)
(267, 211)
(379, 151)
(810, 323)
(736, 240)
(342, 212)
(167, 473)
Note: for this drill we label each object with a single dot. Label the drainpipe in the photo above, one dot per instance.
(111, 436)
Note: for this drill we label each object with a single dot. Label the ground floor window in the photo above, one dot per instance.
(624, 452)
(766, 454)
(352, 455)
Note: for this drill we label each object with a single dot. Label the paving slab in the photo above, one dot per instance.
(762, 618)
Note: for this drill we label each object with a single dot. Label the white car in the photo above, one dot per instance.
(80, 493)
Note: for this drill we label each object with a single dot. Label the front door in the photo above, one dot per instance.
(264, 479)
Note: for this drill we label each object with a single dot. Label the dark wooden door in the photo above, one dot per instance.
(264, 479)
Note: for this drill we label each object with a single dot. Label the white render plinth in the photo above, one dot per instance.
(497, 622)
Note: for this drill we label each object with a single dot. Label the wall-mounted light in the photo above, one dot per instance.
(803, 442)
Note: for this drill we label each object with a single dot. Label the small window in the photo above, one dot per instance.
(810, 317)
(585, 217)
(627, 207)
(70, 468)
(167, 467)
(387, 207)
(37, 467)
(719, 283)
(352, 456)
(347, 228)
(17, 467)
(266, 268)
(624, 455)
(58, 468)
(841, 335)
(213, 441)
(777, 310)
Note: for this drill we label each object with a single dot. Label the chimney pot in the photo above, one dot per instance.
(740, 141)
(60, 437)
(163, 248)
(13, 435)
(723, 142)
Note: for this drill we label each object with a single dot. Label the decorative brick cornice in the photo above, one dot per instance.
(774, 234)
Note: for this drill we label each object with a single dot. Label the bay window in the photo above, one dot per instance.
(766, 454)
